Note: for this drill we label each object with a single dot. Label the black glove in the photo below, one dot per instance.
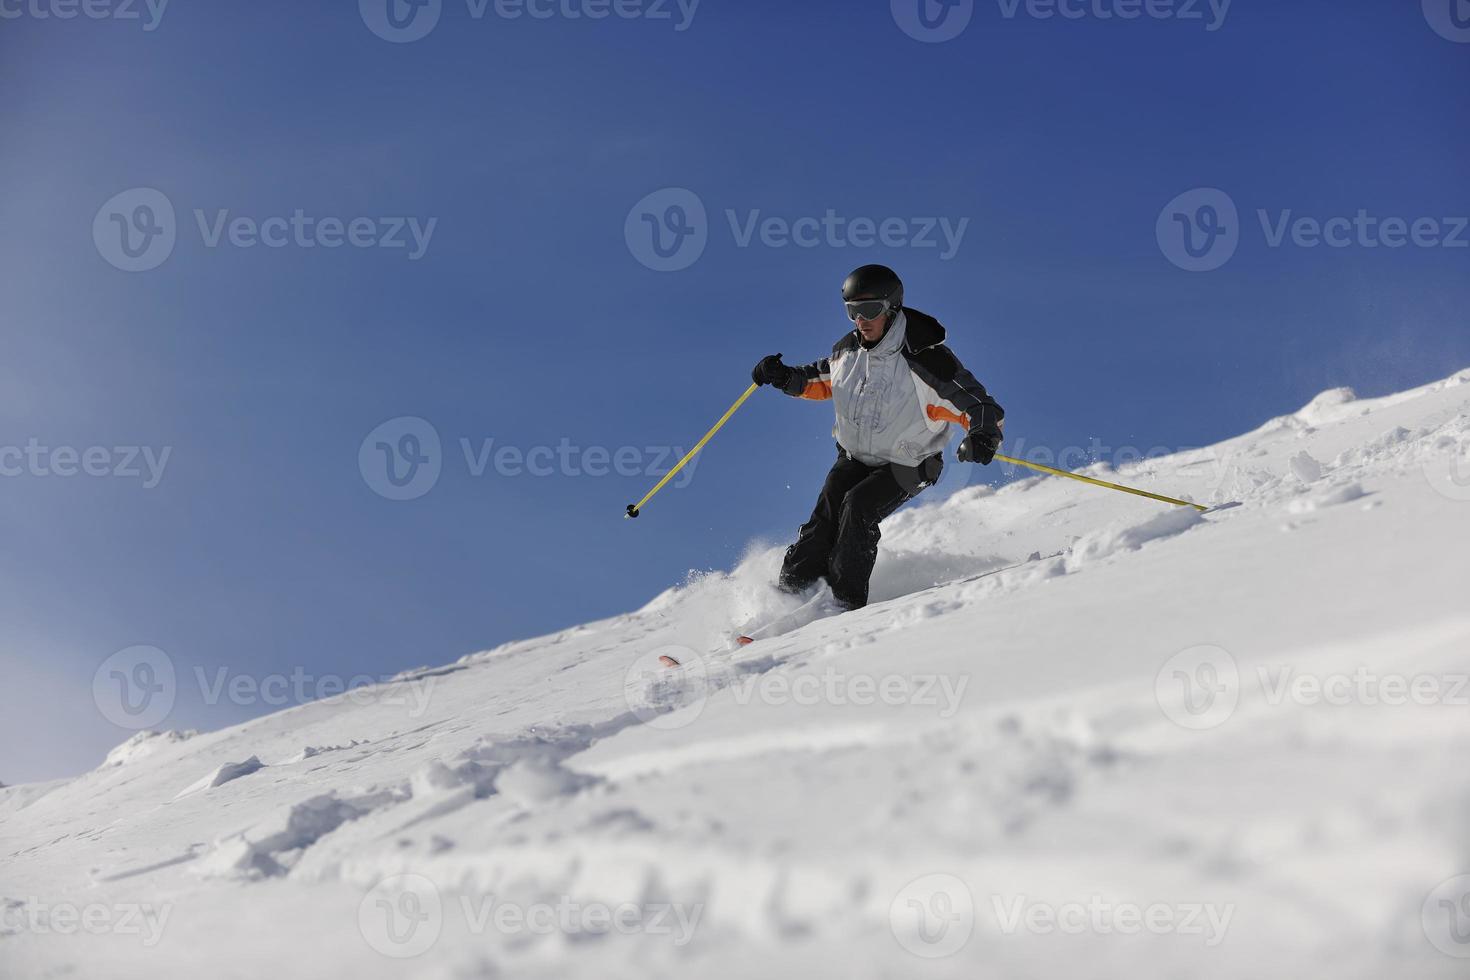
(770, 371)
(979, 447)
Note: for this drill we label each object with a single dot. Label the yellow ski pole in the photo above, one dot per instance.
(633, 509)
(1098, 483)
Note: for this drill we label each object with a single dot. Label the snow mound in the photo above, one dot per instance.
(1340, 494)
(271, 847)
(1108, 541)
(531, 782)
(1329, 406)
(1305, 468)
(223, 774)
(312, 751)
(142, 745)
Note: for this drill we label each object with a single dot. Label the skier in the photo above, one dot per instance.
(895, 386)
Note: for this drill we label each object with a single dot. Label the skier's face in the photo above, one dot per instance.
(871, 330)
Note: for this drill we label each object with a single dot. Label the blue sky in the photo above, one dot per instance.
(524, 314)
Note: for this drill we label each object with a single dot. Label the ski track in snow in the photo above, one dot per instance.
(1030, 753)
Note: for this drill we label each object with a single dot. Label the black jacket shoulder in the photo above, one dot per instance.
(848, 342)
(922, 331)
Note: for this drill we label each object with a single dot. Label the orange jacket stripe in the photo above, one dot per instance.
(939, 413)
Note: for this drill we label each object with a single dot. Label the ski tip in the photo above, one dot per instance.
(669, 661)
(745, 641)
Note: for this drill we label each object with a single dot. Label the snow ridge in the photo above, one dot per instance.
(1060, 697)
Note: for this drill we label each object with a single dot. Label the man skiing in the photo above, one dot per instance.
(895, 387)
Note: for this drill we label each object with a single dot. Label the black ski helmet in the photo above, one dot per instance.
(875, 281)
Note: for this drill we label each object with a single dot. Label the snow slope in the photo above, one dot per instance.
(1184, 746)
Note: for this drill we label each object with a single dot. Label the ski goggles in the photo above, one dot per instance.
(866, 309)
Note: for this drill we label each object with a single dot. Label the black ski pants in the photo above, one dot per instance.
(840, 541)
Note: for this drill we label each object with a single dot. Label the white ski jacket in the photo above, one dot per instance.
(895, 401)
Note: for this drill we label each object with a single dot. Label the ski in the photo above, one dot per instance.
(819, 606)
(822, 606)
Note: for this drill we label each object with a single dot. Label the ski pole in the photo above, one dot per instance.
(633, 509)
(1098, 483)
